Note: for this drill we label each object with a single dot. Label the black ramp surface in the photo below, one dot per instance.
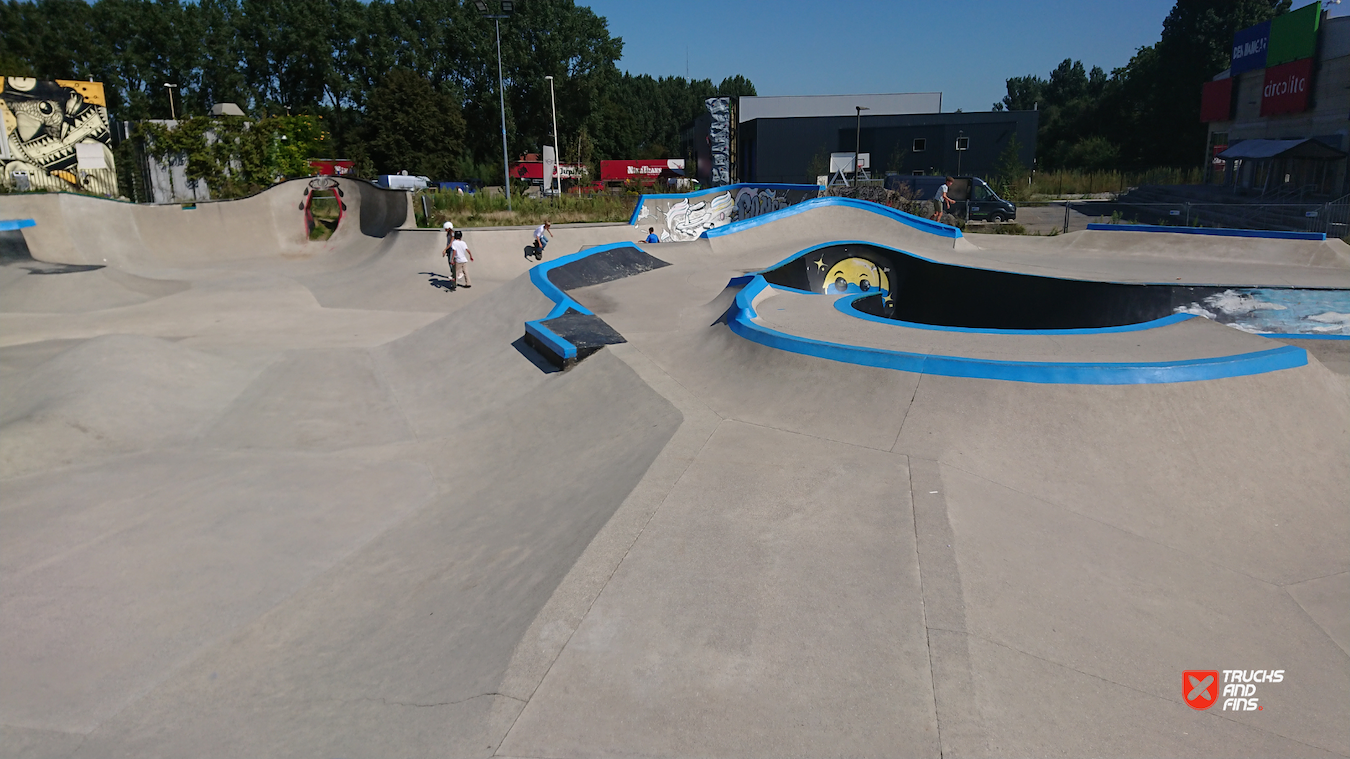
(605, 266)
(927, 292)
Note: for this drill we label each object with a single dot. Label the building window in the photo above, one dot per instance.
(917, 172)
(920, 145)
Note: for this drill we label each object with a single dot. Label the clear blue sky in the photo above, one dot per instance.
(964, 49)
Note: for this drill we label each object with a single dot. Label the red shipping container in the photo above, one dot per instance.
(1287, 88)
(1216, 100)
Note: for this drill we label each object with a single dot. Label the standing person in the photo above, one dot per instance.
(942, 203)
(540, 240)
(651, 235)
(461, 255)
(449, 228)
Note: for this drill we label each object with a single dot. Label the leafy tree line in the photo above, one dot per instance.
(399, 84)
(1147, 113)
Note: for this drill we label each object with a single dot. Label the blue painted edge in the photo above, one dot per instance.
(847, 305)
(1301, 336)
(920, 224)
(1133, 373)
(1163, 322)
(1216, 232)
(642, 199)
(7, 225)
(562, 302)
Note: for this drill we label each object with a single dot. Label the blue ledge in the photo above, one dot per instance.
(922, 225)
(1101, 373)
(642, 199)
(562, 302)
(7, 225)
(1216, 232)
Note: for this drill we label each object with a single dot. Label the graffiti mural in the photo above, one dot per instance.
(720, 139)
(55, 135)
(684, 217)
(687, 220)
(757, 201)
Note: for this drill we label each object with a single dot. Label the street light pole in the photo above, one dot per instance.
(501, 94)
(857, 141)
(557, 157)
(506, 7)
(173, 115)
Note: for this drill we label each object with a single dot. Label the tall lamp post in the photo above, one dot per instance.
(172, 113)
(506, 7)
(857, 140)
(557, 158)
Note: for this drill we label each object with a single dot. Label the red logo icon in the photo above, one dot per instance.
(1200, 687)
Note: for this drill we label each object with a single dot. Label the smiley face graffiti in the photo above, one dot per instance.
(855, 275)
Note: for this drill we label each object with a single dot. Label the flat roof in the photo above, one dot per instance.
(796, 106)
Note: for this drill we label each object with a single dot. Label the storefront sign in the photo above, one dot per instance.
(1216, 100)
(643, 169)
(1249, 48)
(1294, 35)
(1286, 88)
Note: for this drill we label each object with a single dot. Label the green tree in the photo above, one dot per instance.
(409, 126)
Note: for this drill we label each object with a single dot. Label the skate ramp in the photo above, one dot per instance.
(302, 507)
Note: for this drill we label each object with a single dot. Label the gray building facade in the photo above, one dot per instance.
(783, 149)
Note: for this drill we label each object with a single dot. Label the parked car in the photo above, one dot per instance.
(984, 204)
(402, 182)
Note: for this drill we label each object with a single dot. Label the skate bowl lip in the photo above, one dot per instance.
(741, 320)
(10, 225)
(846, 305)
(915, 222)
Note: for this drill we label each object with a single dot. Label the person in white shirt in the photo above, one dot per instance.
(540, 240)
(460, 256)
(942, 203)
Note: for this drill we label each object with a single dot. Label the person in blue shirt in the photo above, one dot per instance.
(651, 235)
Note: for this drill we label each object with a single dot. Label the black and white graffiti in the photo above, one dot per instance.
(54, 135)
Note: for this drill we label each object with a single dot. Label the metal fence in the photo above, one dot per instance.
(1057, 217)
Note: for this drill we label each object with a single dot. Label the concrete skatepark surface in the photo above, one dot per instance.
(266, 497)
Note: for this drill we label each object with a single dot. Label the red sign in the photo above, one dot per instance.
(648, 170)
(1287, 88)
(1216, 100)
(1200, 687)
(327, 167)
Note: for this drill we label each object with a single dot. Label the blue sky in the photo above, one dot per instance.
(964, 49)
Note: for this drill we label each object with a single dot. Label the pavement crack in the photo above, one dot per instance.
(415, 705)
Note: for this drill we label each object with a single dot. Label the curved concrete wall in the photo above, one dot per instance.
(80, 229)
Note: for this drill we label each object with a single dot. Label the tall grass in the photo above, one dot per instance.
(1075, 182)
(483, 210)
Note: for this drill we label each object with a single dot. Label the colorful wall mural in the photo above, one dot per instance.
(679, 218)
(55, 135)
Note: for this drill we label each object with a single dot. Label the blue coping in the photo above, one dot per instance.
(562, 302)
(1217, 231)
(1302, 336)
(1101, 373)
(642, 199)
(846, 305)
(922, 225)
(7, 225)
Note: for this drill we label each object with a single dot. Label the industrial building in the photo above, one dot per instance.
(787, 139)
(1279, 117)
